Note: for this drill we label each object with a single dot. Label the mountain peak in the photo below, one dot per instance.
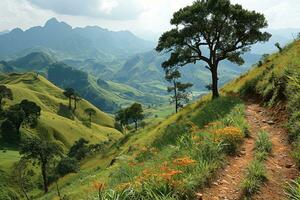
(52, 21)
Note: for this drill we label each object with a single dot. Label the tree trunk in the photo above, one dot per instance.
(215, 91)
(44, 174)
(136, 125)
(57, 188)
(70, 107)
(75, 104)
(175, 96)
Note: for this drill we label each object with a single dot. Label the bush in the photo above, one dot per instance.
(7, 193)
(67, 165)
(231, 137)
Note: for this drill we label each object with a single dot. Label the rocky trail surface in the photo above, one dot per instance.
(280, 166)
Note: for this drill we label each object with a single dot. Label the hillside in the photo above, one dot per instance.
(182, 150)
(54, 120)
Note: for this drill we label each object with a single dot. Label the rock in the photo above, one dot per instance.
(199, 196)
(270, 122)
(288, 166)
(215, 183)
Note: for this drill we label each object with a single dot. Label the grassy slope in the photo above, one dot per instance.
(62, 129)
(274, 65)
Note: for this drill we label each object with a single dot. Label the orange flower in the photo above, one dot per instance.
(185, 161)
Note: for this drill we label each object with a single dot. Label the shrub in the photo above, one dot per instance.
(249, 88)
(7, 193)
(67, 165)
(231, 137)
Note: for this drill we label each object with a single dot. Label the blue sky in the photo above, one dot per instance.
(146, 18)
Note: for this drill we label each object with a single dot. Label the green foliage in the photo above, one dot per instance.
(79, 150)
(249, 88)
(181, 96)
(256, 175)
(134, 114)
(5, 92)
(171, 135)
(263, 143)
(202, 27)
(7, 193)
(215, 110)
(67, 165)
(41, 151)
(293, 190)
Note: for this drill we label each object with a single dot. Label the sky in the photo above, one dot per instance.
(146, 18)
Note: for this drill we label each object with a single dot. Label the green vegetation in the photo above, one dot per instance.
(293, 190)
(256, 172)
(132, 114)
(203, 29)
(181, 96)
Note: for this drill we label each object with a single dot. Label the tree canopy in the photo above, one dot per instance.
(41, 151)
(211, 31)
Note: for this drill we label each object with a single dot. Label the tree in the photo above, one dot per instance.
(69, 93)
(32, 112)
(79, 150)
(211, 31)
(90, 112)
(278, 46)
(5, 92)
(122, 117)
(76, 98)
(67, 165)
(135, 114)
(42, 152)
(22, 176)
(180, 96)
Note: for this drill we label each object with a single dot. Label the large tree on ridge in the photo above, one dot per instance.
(212, 31)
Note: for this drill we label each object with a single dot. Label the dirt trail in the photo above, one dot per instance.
(280, 165)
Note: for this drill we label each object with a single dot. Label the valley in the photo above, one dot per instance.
(210, 111)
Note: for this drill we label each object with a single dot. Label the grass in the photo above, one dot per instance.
(293, 190)
(256, 172)
(167, 160)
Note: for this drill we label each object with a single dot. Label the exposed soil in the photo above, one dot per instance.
(280, 166)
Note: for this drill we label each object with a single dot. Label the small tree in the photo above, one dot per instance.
(278, 46)
(135, 114)
(90, 112)
(180, 96)
(122, 117)
(79, 150)
(69, 93)
(22, 176)
(212, 31)
(24, 113)
(42, 152)
(5, 92)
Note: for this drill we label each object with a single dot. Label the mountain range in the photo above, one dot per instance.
(114, 68)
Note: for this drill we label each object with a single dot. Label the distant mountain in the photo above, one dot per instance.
(68, 43)
(144, 72)
(37, 61)
(5, 67)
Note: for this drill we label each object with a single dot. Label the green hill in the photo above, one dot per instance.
(52, 102)
(186, 137)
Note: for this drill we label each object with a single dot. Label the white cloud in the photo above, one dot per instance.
(144, 17)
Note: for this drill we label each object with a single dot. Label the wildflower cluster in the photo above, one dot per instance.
(185, 161)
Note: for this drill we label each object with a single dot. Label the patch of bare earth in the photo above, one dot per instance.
(280, 165)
